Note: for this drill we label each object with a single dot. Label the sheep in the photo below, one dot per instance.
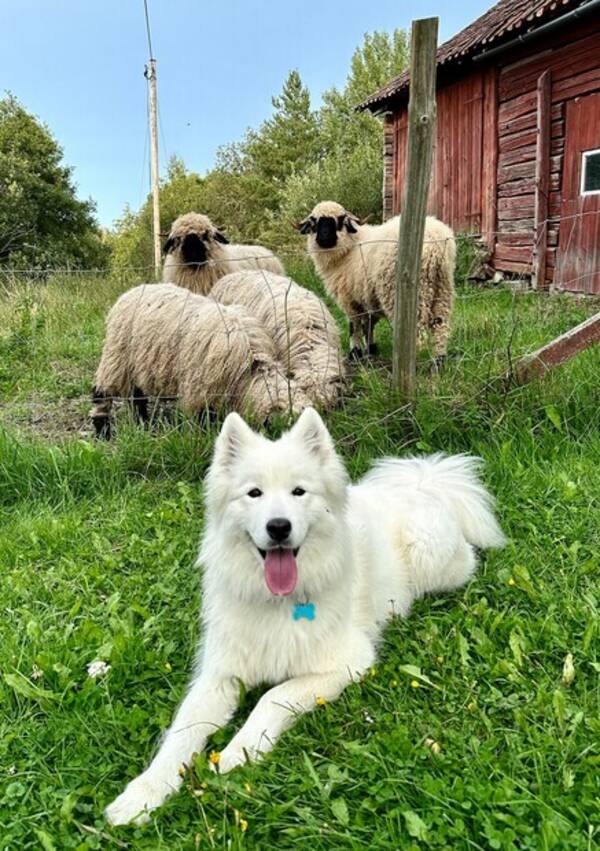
(306, 336)
(198, 254)
(163, 341)
(357, 263)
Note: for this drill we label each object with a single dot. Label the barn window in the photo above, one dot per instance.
(590, 172)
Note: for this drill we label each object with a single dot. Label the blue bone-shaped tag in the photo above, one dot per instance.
(304, 610)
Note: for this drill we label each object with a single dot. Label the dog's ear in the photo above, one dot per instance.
(311, 431)
(220, 237)
(168, 246)
(234, 436)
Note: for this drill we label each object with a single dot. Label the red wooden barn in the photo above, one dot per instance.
(517, 155)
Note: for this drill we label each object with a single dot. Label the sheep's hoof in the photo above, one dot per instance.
(102, 428)
(373, 350)
(438, 363)
(356, 353)
(207, 418)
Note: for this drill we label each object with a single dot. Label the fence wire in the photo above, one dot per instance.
(267, 345)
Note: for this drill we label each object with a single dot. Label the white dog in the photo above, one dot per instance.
(301, 572)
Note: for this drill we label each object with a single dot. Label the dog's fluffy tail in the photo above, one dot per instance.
(452, 479)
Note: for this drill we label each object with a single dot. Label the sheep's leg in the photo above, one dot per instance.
(207, 417)
(100, 414)
(439, 321)
(356, 320)
(371, 321)
(440, 332)
(140, 405)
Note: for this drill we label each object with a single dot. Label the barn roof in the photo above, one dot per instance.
(502, 23)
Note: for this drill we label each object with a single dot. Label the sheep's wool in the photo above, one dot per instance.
(305, 334)
(360, 272)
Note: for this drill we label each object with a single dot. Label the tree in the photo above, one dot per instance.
(278, 171)
(42, 222)
(381, 57)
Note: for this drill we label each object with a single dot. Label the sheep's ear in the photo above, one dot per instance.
(168, 246)
(311, 431)
(350, 223)
(220, 237)
(304, 226)
(234, 437)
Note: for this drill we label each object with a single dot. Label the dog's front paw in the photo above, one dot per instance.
(140, 797)
(233, 756)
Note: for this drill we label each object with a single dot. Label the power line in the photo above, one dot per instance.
(148, 29)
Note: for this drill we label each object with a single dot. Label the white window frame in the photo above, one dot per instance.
(584, 156)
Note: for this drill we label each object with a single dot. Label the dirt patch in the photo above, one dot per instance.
(52, 420)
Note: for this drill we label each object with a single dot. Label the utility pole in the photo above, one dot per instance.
(150, 74)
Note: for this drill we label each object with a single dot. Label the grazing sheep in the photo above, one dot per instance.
(198, 254)
(306, 336)
(166, 342)
(357, 263)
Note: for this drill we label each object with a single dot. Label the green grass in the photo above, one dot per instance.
(97, 544)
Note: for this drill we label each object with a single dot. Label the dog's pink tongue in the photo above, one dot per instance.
(281, 572)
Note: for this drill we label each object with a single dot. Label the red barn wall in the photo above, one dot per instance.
(483, 176)
(575, 71)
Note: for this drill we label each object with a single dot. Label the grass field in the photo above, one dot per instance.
(97, 544)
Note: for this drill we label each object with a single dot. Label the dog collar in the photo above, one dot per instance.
(304, 610)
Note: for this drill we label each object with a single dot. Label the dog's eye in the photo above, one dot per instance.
(254, 493)
(298, 492)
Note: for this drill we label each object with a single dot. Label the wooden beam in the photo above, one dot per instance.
(489, 176)
(542, 178)
(561, 349)
(421, 129)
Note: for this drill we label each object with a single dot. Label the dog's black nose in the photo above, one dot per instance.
(279, 528)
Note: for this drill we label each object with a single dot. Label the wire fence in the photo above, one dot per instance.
(265, 344)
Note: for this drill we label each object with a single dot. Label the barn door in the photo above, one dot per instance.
(578, 261)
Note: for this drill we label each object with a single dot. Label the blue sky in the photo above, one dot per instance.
(78, 65)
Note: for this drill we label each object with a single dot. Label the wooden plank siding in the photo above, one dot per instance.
(488, 142)
(573, 69)
(455, 193)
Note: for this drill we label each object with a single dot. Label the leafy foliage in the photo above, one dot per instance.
(278, 171)
(42, 223)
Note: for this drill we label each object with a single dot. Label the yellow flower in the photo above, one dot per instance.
(394, 682)
(214, 757)
(168, 667)
(248, 788)
(243, 825)
(415, 684)
(511, 581)
(471, 706)
(321, 701)
(373, 671)
(440, 659)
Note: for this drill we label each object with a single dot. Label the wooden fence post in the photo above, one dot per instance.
(542, 179)
(421, 127)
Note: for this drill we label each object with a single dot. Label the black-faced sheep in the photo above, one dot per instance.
(198, 254)
(162, 341)
(306, 336)
(357, 263)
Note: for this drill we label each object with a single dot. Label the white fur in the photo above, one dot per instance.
(365, 552)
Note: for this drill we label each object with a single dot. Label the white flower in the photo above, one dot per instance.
(97, 668)
(36, 673)
(568, 671)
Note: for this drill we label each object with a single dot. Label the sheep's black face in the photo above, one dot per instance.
(193, 250)
(326, 232)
